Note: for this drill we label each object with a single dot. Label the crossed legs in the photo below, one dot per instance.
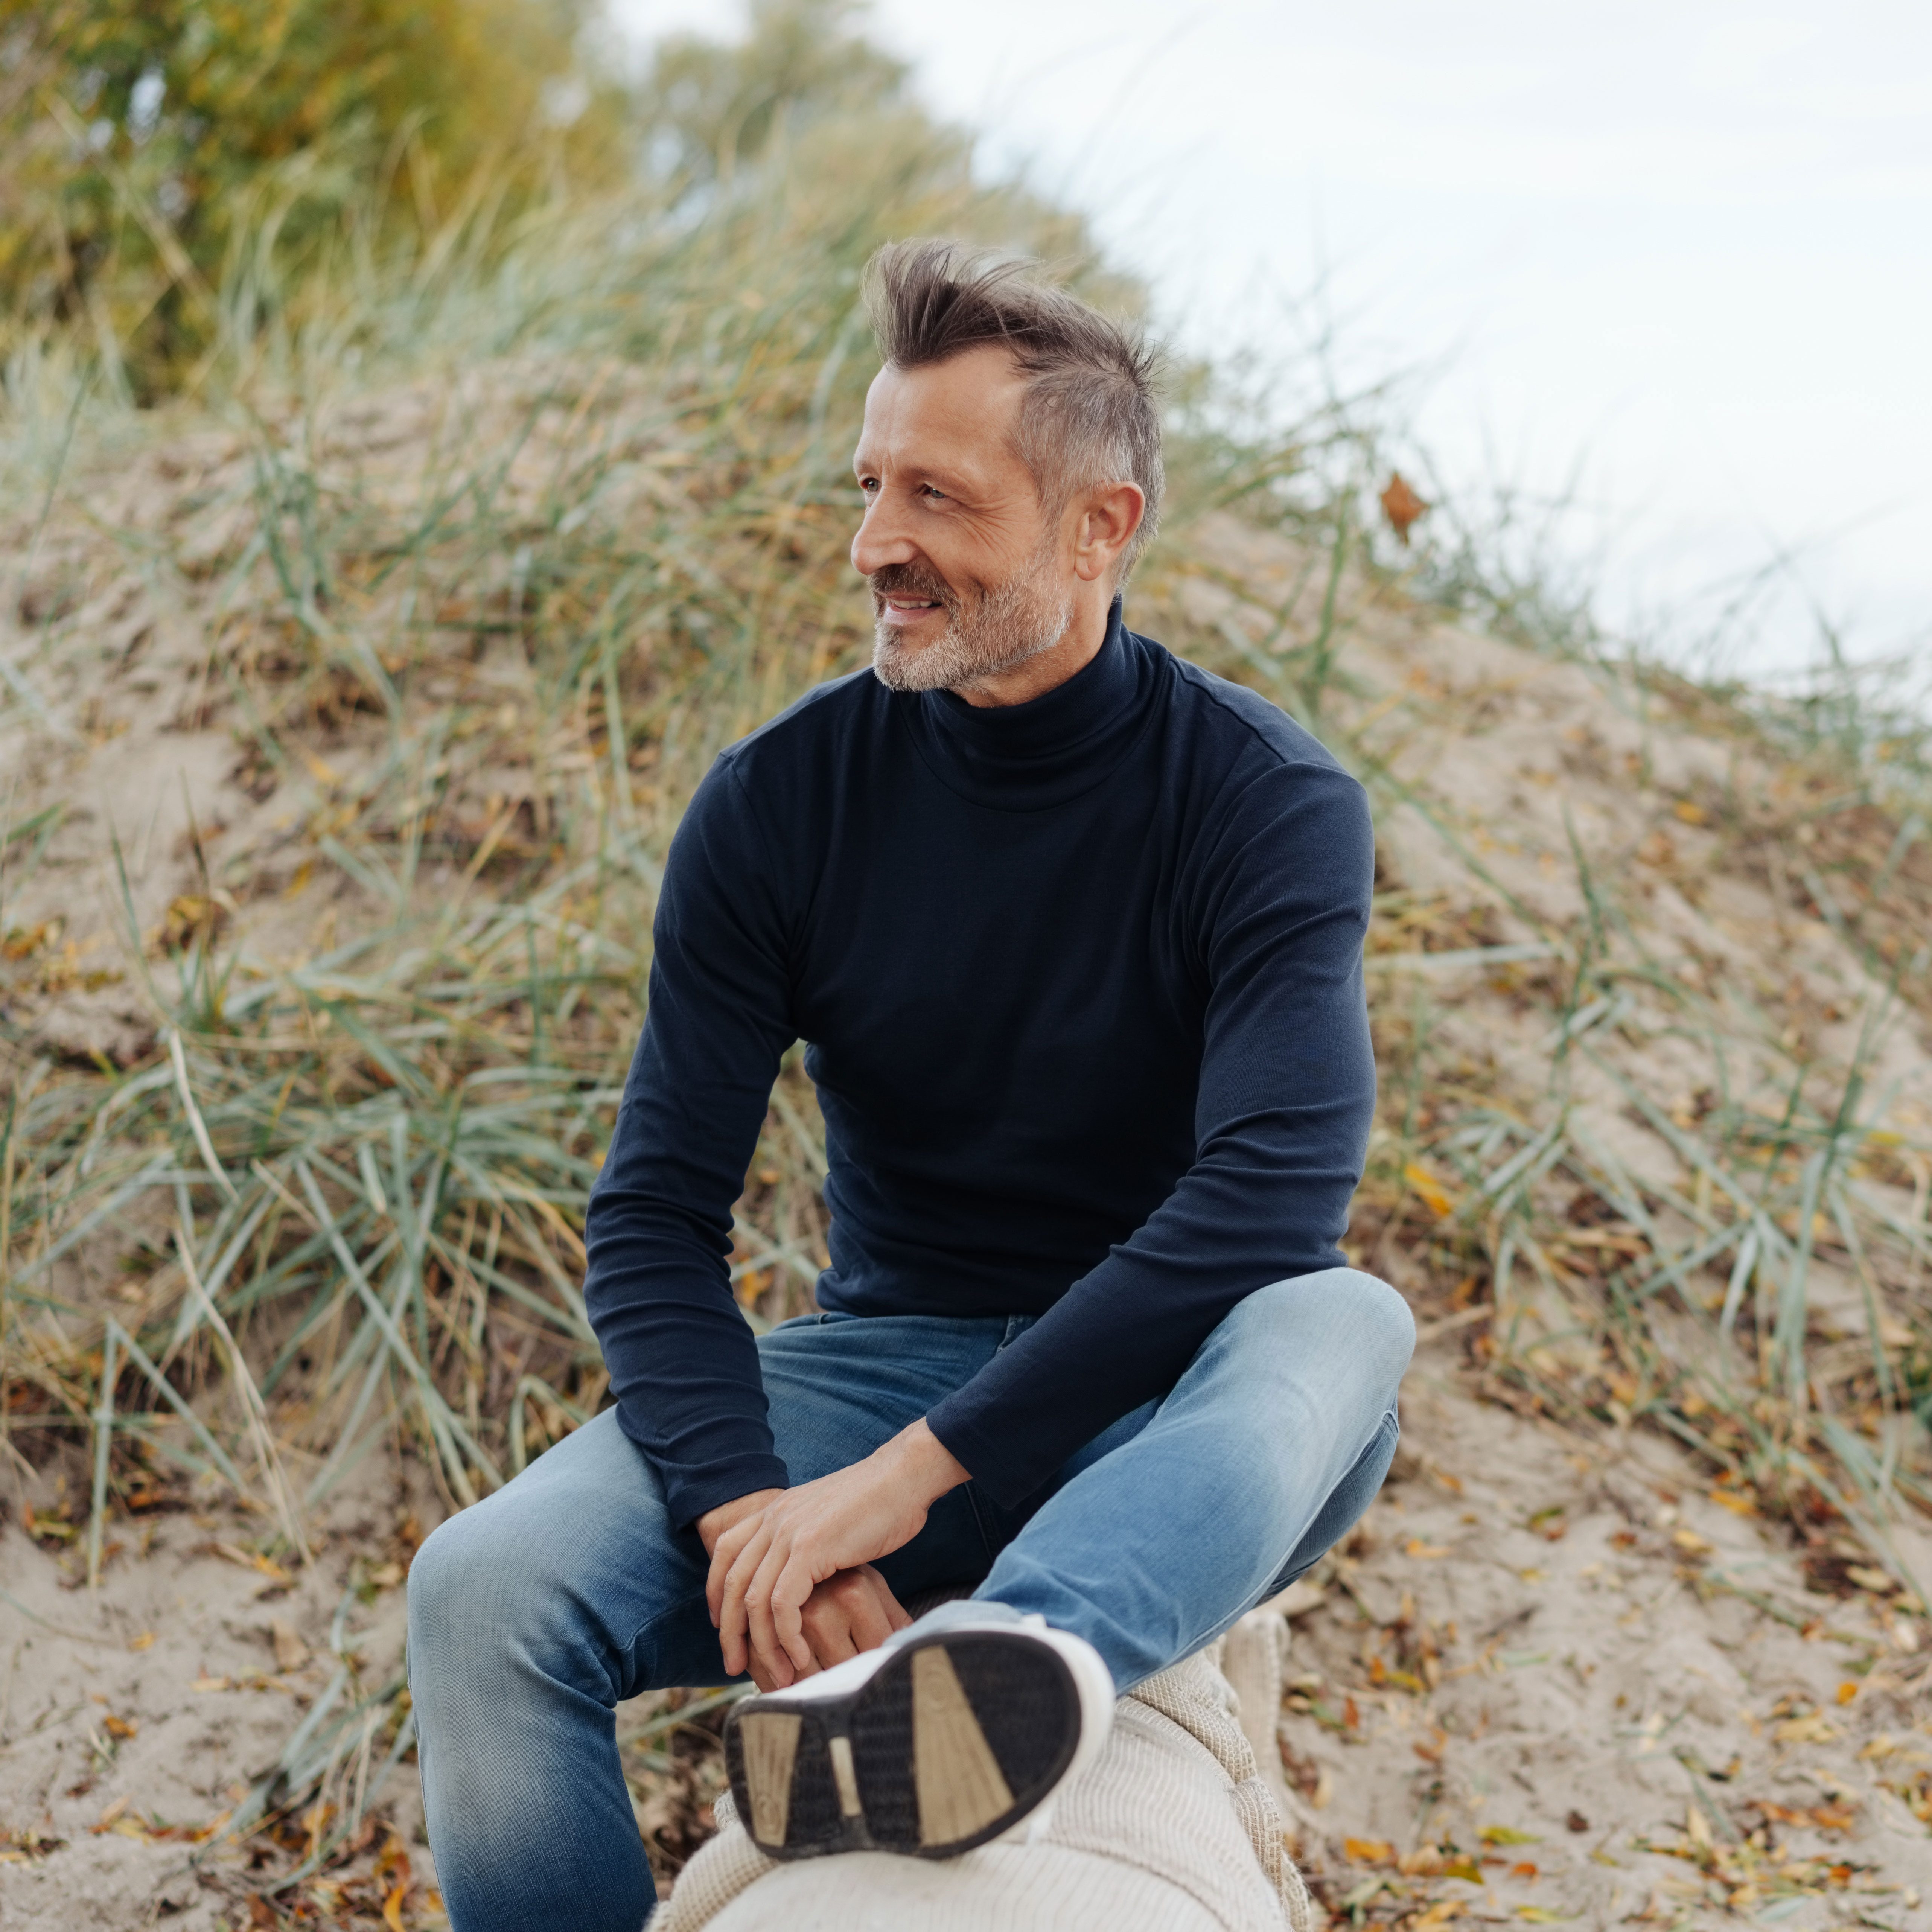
(534, 1614)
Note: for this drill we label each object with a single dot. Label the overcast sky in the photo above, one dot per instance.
(1689, 244)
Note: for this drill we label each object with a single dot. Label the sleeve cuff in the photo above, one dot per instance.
(689, 1495)
(1007, 1478)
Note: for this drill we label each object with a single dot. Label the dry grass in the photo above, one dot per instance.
(472, 572)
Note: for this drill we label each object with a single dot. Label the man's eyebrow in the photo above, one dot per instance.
(955, 482)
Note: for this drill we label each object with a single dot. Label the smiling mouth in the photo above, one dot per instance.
(899, 608)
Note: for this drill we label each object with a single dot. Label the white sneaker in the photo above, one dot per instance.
(928, 1746)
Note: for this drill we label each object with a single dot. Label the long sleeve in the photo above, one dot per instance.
(682, 1361)
(1282, 1116)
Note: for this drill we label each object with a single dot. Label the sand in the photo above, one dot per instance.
(1661, 1707)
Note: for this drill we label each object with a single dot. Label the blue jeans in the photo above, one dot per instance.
(534, 1613)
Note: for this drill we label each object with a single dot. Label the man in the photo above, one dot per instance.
(1073, 931)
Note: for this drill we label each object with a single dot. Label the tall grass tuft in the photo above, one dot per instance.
(493, 530)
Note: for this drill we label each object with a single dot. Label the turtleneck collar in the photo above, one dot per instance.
(1027, 757)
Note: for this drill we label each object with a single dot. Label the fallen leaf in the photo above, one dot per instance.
(1846, 1692)
(1577, 1821)
(1875, 1581)
(118, 1727)
(1507, 1834)
(1424, 1551)
(392, 1909)
(1689, 813)
(1428, 1190)
(291, 1653)
(249, 1561)
(1367, 1851)
(1735, 1501)
(145, 1641)
(1539, 1914)
(1525, 1870)
(204, 1682)
(1814, 1729)
(1690, 1543)
(1439, 1914)
(1401, 504)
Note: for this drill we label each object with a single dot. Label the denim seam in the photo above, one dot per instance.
(978, 1506)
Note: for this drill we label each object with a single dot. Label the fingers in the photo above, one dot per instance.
(870, 1608)
(828, 1628)
(772, 1652)
(733, 1612)
(724, 1553)
(795, 1583)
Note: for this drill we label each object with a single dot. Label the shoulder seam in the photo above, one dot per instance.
(1204, 682)
(819, 693)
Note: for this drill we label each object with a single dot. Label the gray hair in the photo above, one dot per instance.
(1089, 413)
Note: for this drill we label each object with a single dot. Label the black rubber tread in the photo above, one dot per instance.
(1028, 1708)
(880, 1728)
(1027, 1704)
(814, 1823)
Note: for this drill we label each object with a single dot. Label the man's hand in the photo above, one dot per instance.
(779, 1546)
(852, 1611)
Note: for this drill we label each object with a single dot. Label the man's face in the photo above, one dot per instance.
(967, 573)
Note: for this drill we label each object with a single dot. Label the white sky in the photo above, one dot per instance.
(1688, 245)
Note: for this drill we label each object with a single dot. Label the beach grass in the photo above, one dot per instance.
(504, 529)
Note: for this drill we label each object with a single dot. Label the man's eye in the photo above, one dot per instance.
(869, 484)
(928, 490)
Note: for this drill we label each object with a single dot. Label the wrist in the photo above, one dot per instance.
(925, 1464)
(714, 1522)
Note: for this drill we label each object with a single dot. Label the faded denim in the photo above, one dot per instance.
(532, 1614)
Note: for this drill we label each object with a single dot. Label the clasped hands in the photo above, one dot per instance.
(791, 1588)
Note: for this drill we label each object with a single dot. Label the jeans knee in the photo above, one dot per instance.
(1356, 1313)
(1381, 1314)
(470, 1593)
(441, 1579)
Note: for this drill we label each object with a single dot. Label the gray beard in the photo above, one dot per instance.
(1005, 628)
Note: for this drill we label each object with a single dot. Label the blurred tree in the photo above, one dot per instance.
(709, 106)
(143, 143)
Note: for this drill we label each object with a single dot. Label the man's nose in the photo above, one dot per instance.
(880, 539)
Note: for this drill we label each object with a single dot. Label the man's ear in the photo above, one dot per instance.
(1108, 518)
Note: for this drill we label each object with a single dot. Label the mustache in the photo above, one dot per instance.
(908, 580)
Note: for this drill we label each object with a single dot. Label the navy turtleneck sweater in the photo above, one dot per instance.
(1080, 983)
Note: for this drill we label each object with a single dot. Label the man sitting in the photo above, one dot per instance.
(1073, 932)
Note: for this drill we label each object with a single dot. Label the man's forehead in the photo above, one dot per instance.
(964, 407)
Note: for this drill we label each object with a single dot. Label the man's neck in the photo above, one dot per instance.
(1085, 633)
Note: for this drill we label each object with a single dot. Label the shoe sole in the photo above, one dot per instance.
(953, 1740)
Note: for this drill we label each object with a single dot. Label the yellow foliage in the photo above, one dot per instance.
(147, 146)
